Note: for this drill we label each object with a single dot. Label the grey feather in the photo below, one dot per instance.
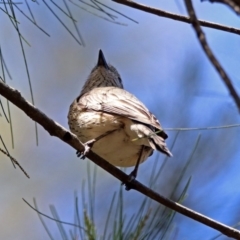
(120, 102)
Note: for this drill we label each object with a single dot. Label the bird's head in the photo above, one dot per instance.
(102, 75)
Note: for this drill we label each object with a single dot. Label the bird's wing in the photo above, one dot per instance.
(120, 102)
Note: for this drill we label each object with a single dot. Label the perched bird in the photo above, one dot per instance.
(113, 122)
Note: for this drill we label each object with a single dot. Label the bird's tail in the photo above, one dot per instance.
(153, 140)
(159, 144)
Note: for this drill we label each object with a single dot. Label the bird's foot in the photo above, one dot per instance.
(87, 146)
(131, 177)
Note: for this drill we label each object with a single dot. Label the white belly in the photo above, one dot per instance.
(118, 147)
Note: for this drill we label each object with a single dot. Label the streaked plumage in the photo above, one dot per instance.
(104, 106)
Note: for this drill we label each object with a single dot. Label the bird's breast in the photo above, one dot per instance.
(118, 147)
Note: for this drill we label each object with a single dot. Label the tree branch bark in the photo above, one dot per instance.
(177, 17)
(54, 129)
(209, 53)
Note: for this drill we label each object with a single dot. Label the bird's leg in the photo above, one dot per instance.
(132, 176)
(88, 145)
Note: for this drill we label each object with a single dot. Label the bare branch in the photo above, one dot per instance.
(204, 128)
(212, 58)
(32, 21)
(234, 4)
(35, 208)
(177, 17)
(84, 9)
(14, 161)
(58, 131)
(63, 24)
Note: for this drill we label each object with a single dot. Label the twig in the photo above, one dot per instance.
(54, 129)
(204, 128)
(63, 24)
(54, 219)
(177, 17)
(212, 58)
(14, 161)
(32, 21)
(112, 9)
(5, 147)
(232, 4)
(84, 9)
(15, 23)
(74, 23)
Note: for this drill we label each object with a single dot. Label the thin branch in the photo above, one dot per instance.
(25, 62)
(50, 9)
(54, 219)
(212, 58)
(220, 235)
(204, 128)
(104, 5)
(14, 161)
(13, 20)
(8, 3)
(58, 222)
(78, 217)
(5, 67)
(94, 7)
(32, 21)
(30, 11)
(116, 11)
(54, 129)
(4, 113)
(102, 10)
(74, 23)
(11, 17)
(5, 147)
(41, 218)
(232, 4)
(177, 17)
(65, 13)
(9, 119)
(84, 9)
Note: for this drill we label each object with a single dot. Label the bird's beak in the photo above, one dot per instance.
(101, 60)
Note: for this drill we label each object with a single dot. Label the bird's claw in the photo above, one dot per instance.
(131, 178)
(82, 155)
(87, 146)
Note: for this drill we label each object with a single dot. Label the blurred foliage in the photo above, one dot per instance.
(150, 220)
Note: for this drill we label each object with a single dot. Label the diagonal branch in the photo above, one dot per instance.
(177, 17)
(54, 129)
(212, 58)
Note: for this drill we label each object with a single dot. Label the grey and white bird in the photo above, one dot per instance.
(113, 122)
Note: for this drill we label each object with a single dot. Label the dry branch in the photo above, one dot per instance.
(177, 17)
(209, 53)
(58, 131)
(234, 4)
(14, 161)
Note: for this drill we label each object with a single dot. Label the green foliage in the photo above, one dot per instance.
(89, 226)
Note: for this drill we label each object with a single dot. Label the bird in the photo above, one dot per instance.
(112, 122)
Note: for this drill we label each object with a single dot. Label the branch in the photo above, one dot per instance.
(54, 129)
(14, 162)
(212, 58)
(177, 17)
(235, 5)
(204, 128)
